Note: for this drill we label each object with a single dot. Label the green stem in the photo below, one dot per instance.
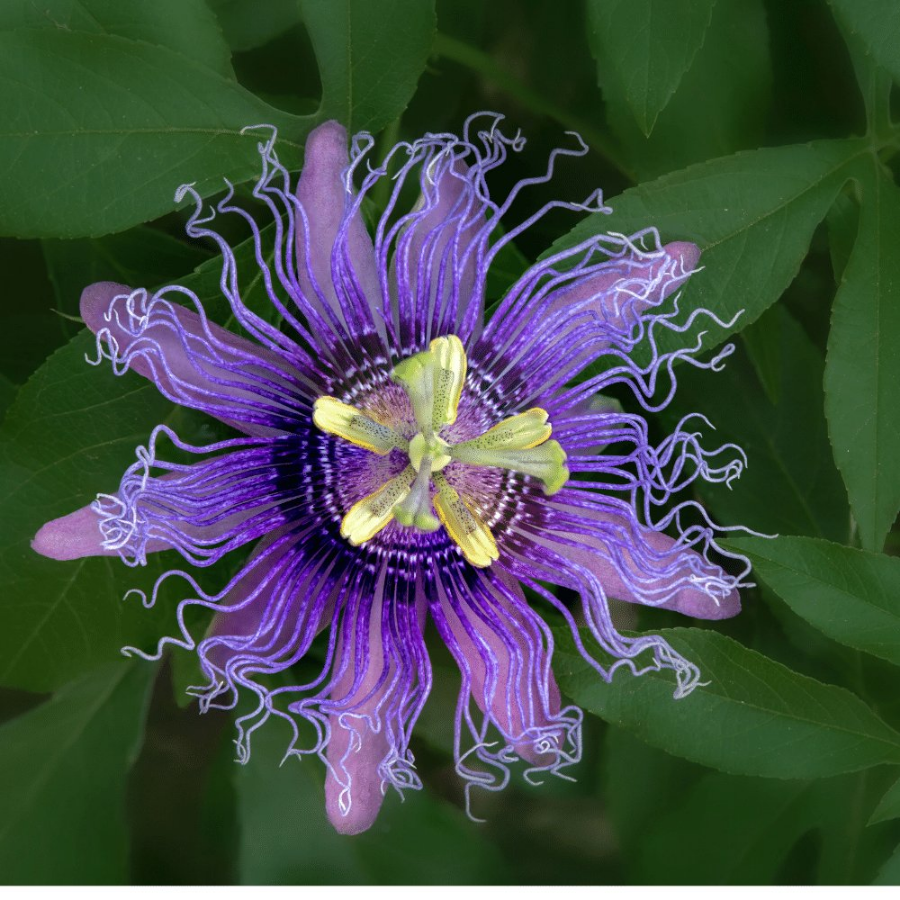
(472, 58)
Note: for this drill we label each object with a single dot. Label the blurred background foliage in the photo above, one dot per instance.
(762, 130)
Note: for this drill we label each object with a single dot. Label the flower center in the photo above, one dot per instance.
(433, 380)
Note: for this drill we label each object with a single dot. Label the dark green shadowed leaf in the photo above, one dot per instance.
(877, 23)
(7, 395)
(741, 830)
(850, 595)
(720, 105)
(186, 26)
(735, 830)
(644, 47)
(370, 57)
(246, 24)
(889, 806)
(790, 485)
(843, 225)
(863, 366)
(97, 132)
(287, 839)
(141, 256)
(284, 837)
(63, 767)
(753, 215)
(890, 872)
(754, 717)
(70, 434)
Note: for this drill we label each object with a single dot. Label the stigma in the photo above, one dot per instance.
(420, 496)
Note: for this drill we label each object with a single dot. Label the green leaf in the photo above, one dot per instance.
(186, 26)
(863, 367)
(370, 56)
(7, 395)
(286, 838)
(753, 215)
(851, 595)
(644, 47)
(735, 830)
(63, 768)
(877, 23)
(741, 831)
(97, 132)
(140, 256)
(890, 872)
(752, 717)
(843, 226)
(888, 807)
(720, 105)
(247, 25)
(70, 433)
(790, 485)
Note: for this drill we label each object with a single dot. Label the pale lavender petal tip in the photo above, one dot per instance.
(71, 537)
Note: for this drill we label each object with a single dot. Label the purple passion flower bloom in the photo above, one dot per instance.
(404, 458)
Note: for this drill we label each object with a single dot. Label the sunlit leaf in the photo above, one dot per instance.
(753, 215)
(97, 132)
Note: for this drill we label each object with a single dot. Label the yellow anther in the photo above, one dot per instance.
(449, 378)
(547, 462)
(368, 516)
(355, 426)
(521, 432)
(465, 527)
(434, 380)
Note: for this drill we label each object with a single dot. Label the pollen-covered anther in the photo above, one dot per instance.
(355, 426)
(464, 525)
(368, 516)
(434, 380)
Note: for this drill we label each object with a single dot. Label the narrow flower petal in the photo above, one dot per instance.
(72, 537)
(687, 600)
(435, 265)
(335, 258)
(503, 651)
(192, 361)
(380, 661)
(627, 286)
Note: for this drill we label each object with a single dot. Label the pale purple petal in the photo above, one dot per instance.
(191, 360)
(328, 238)
(71, 537)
